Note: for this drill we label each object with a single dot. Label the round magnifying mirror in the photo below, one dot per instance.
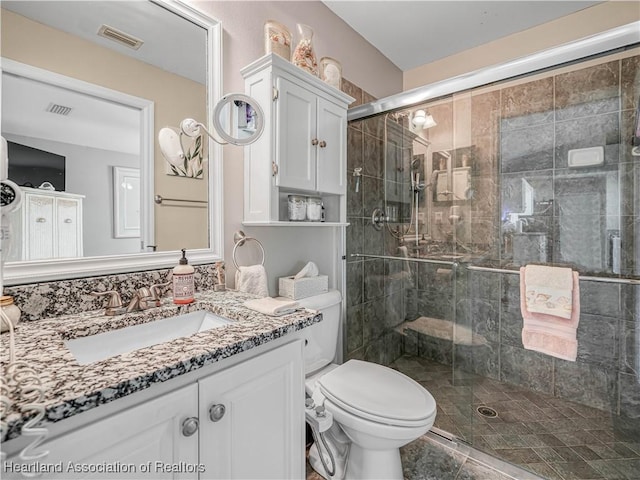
(238, 119)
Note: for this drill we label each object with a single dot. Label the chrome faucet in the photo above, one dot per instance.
(143, 298)
(114, 305)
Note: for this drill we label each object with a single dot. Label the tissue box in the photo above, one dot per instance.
(303, 287)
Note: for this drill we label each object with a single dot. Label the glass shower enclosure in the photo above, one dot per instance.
(458, 192)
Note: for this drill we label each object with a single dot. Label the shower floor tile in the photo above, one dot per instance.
(433, 458)
(549, 436)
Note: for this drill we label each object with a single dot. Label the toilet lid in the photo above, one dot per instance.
(378, 393)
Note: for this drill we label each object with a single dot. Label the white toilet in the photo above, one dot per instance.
(375, 409)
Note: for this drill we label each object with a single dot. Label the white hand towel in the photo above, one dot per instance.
(272, 306)
(549, 290)
(252, 279)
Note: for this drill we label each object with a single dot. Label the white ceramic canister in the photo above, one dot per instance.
(314, 209)
(297, 208)
(12, 312)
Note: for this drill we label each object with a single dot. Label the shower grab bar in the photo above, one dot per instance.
(627, 281)
(408, 259)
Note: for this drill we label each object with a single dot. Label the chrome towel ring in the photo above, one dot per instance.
(240, 238)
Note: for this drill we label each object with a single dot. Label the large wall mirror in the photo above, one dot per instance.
(86, 86)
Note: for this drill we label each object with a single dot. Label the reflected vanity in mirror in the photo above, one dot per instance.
(70, 90)
(451, 175)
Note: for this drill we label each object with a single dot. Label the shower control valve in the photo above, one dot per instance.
(378, 218)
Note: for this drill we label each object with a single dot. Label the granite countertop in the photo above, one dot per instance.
(72, 388)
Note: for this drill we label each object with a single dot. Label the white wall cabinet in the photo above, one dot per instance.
(47, 225)
(242, 422)
(304, 146)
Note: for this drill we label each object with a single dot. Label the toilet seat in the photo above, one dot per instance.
(378, 394)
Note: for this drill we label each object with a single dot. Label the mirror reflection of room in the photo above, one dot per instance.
(68, 117)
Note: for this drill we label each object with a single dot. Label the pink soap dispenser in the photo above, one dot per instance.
(183, 287)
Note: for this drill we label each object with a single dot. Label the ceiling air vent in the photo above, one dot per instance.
(58, 109)
(119, 36)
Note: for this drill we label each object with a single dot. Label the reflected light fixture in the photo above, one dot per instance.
(422, 119)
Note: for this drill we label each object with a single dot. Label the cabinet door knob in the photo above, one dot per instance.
(190, 426)
(323, 144)
(41, 220)
(314, 142)
(67, 220)
(216, 412)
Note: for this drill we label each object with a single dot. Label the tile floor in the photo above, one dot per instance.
(433, 458)
(555, 438)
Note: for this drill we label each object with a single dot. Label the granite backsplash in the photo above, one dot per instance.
(65, 297)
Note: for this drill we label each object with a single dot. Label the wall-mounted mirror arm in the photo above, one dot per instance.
(191, 128)
(237, 118)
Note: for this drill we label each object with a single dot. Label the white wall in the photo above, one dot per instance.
(584, 23)
(89, 172)
(288, 248)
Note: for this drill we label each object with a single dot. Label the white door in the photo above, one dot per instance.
(142, 442)
(295, 149)
(252, 418)
(332, 157)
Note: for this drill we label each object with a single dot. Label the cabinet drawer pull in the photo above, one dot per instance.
(323, 144)
(314, 142)
(67, 220)
(216, 412)
(41, 220)
(190, 426)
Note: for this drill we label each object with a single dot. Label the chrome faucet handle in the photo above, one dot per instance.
(157, 290)
(140, 300)
(114, 304)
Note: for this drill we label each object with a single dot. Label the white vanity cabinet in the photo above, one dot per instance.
(254, 428)
(129, 442)
(304, 146)
(47, 225)
(244, 421)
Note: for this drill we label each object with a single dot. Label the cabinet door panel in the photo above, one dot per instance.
(332, 158)
(261, 434)
(39, 227)
(296, 127)
(129, 440)
(69, 219)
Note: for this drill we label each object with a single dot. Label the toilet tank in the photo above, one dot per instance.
(321, 339)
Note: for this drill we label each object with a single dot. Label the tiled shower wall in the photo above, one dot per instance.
(522, 129)
(375, 287)
(539, 122)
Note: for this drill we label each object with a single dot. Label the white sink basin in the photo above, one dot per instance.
(97, 347)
